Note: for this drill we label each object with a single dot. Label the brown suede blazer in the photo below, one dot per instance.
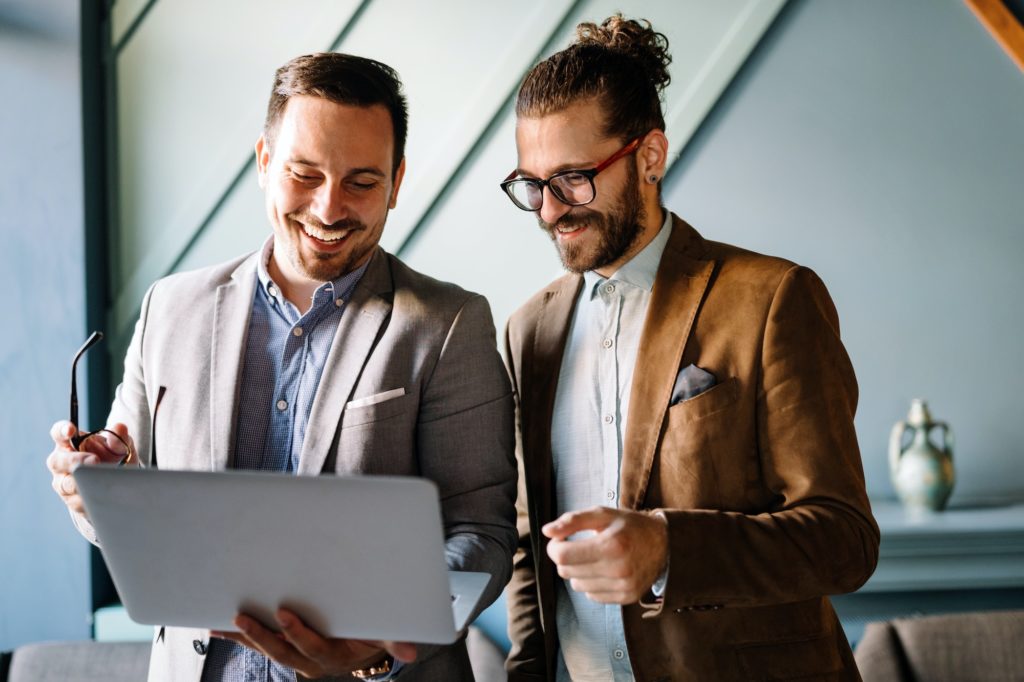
(759, 477)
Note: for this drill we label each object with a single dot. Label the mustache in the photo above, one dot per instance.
(307, 218)
(576, 218)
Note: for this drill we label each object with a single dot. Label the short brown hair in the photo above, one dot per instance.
(622, 64)
(343, 79)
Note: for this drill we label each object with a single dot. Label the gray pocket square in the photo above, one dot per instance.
(690, 383)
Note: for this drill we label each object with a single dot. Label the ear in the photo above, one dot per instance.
(399, 174)
(652, 156)
(262, 160)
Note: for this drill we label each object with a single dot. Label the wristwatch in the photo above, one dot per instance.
(381, 667)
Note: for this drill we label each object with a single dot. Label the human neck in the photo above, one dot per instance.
(653, 220)
(295, 287)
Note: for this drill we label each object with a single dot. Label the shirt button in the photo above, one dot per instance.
(610, 494)
(199, 646)
(608, 419)
(338, 302)
(272, 290)
(619, 654)
(607, 343)
(297, 331)
(282, 405)
(609, 288)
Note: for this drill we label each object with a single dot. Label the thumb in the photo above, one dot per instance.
(402, 651)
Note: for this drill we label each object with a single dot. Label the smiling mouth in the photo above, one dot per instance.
(322, 235)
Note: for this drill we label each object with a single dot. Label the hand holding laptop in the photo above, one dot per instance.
(104, 448)
(305, 650)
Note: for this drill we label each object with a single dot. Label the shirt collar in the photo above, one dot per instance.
(339, 290)
(641, 269)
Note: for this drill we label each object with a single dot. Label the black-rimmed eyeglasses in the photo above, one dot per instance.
(81, 438)
(571, 187)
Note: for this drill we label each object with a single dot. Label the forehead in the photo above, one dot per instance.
(567, 138)
(323, 131)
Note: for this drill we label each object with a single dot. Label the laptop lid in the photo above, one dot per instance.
(354, 556)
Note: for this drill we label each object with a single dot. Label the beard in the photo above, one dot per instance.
(617, 230)
(321, 266)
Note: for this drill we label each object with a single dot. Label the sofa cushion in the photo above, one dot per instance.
(949, 648)
(86, 661)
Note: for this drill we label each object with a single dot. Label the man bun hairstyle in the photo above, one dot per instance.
(342, 79)
(621, 63)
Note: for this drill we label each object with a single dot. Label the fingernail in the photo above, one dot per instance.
(284, 619)
(242, 624)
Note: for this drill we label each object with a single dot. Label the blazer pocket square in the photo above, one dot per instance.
(690, 383)
(376, 398)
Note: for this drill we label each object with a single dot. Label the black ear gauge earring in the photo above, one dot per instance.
(654, 178)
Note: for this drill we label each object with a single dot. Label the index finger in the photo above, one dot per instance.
(565, 525)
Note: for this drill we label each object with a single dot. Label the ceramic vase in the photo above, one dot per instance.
(922, 471)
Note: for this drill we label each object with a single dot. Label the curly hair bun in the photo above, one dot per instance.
(634, 38)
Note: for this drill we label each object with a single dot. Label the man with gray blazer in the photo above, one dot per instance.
(319, 353)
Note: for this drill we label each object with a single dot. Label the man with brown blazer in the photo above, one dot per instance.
(692, 482)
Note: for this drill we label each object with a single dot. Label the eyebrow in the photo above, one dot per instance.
(371, 170)
(582, 165)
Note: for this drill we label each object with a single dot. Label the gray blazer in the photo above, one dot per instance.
(401, 330)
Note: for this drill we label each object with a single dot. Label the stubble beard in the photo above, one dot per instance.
(325, 267)
(618, 229)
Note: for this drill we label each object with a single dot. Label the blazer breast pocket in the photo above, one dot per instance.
(701, 459)
(377, 407)
(715, 399)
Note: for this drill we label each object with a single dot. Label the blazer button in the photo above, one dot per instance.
(199, 646)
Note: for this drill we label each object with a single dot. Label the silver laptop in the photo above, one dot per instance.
(358, 557)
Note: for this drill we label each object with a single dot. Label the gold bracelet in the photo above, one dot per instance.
(382, 667)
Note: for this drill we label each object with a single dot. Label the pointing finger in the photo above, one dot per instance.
(597, 519)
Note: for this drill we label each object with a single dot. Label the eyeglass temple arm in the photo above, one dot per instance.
(628, 149)
(93, 339)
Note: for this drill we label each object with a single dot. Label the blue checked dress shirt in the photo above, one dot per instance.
(587, 429)
(285, 353)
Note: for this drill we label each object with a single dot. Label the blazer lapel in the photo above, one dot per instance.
(678, 291)
(227, 348)
(357, 332)
(540, 373)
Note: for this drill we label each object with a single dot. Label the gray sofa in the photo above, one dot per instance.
(128, 661)
(967, 647)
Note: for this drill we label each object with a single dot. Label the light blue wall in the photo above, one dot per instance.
(44, 563)
(882, 143)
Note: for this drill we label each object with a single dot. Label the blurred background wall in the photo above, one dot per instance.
(44, 566)
(879, 142)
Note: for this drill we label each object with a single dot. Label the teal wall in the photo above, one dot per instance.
(44, 563)
(882, 143)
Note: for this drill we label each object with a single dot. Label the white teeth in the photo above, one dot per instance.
(566, 230)
(324, 235)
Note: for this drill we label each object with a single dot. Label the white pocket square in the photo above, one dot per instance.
(376, 398)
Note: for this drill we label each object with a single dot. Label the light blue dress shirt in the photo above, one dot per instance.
(588, 426)
(285, 353)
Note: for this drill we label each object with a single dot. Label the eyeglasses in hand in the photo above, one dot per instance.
(82, 438)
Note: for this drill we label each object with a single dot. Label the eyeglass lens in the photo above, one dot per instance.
(572, 189)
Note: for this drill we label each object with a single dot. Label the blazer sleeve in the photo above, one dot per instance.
(465, 443)
(819, 536)
(130, 406)
(526, 659)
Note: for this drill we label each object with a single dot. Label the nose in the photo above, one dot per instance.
(551, 209)
(328, 204)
